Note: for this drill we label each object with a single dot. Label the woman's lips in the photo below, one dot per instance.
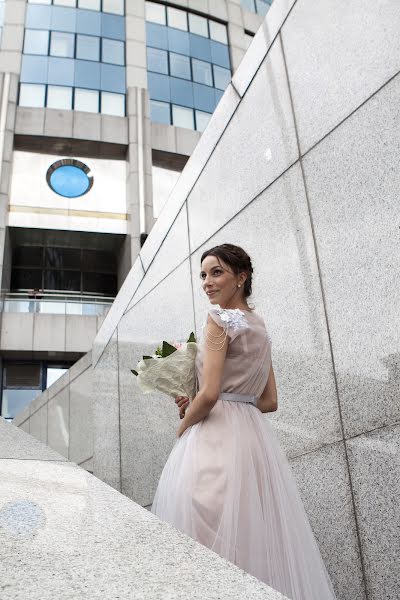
(209, 294)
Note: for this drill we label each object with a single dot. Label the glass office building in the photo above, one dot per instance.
(74, 56)
(188, 65)
(260, 7)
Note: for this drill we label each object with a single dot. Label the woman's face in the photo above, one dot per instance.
(219, 282)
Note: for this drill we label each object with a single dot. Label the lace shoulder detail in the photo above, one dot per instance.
(233, 320)
(233, 317)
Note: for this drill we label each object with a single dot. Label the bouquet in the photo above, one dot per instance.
(170, 370)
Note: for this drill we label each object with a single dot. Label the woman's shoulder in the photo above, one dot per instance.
(231, 317)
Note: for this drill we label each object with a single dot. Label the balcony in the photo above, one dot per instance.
(54, 303)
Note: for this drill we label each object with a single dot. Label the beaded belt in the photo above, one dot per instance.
(239, 398)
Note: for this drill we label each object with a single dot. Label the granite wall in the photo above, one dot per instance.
(62, 416)
(299, 164)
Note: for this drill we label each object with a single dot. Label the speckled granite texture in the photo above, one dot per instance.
(299, 165)
(65, 534)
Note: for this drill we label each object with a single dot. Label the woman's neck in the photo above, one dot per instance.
(237, 305)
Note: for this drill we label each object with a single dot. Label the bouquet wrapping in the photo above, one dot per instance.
(170, 371)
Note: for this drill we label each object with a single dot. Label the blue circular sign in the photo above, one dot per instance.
(69, 178)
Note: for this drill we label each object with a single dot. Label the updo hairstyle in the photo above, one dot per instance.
(236, 258)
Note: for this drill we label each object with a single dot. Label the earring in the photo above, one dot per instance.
(239, 285)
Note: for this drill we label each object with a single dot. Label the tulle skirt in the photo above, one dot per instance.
(228, 485)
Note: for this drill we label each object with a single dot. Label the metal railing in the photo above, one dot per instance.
(55, 303)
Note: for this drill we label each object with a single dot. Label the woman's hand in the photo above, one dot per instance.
(182, 403)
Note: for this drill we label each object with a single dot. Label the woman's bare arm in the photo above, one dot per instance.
(268, 401)
(213, 364)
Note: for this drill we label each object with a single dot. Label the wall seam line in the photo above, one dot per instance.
(324, 304)
(119, 416)
(189, 258)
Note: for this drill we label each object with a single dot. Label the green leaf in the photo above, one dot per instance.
(167, 349)
(134, 372)
(146, 357)
(192, 338)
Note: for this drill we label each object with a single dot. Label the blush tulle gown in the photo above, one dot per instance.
(228, 484)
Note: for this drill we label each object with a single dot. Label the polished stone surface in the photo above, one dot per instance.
(375, 467)
(348, 50)
(117, 309)
(81, 417)
(275, 231)
(353, 189)
(106, 423)
(16, 444)
(22, 416)
(149, 421)
(261, 44)
(65, 534)
(38, 424)
(58, 429)
(247, 158)
(38, 402)
(323, 480)
(173, 251)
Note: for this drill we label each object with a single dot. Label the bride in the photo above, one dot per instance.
(227, 483)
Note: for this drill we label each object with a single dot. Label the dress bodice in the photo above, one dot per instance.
(248, 358)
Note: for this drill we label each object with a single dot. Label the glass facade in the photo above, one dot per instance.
(74, 56)
(188, 65)
(258, 6)
(24, 381)
(64, 270)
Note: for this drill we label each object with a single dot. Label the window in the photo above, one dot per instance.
(89, 4)
(69, 177)
(198, 25)
(160, 112)
(59, 97)
(157, 60)
(113, 51)
(88, 47)
(31, 94)
(188, 65)
(177, 18)
(202, 72)
(155, 13)
(62, 44)
(202, 119)
(36, 41)
(86, 100)
(23, 381)
(182, 117)
(21, 384)
(54, 373)
(218, 32)
(180, 65)
(71, 3)
(72, 50)
(113, 104)
(258, 6)
(114, 6)
(222, 77)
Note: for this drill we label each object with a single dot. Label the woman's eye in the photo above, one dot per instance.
(217, 272)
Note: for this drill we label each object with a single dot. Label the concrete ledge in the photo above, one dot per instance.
(83, 539)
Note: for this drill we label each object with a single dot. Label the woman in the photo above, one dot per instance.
(227, 483)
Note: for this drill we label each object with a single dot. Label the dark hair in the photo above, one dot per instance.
(237, 259)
